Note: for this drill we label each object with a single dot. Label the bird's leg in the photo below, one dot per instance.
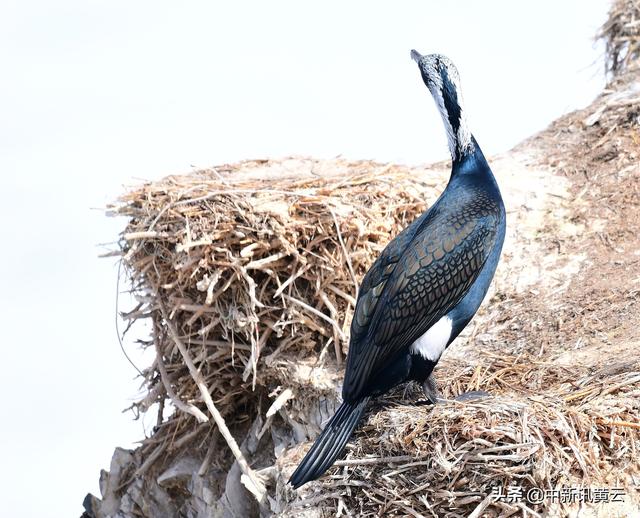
(430, 389)
(472, 396)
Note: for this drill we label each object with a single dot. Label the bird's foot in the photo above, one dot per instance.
(430, 389)
(472, 396)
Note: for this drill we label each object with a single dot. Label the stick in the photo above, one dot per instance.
(249, 478)
(346, 254)
(481, 507)
(179, 404)
(373, 460)
(626, 424)
(318, 313)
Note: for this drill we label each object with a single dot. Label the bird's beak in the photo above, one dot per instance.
(416, 56)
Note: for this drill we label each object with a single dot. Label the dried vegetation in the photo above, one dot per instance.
(248, 275)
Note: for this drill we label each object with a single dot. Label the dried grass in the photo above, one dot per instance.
(249, 273)
(245, 280)
(545, 426)
(621, 34)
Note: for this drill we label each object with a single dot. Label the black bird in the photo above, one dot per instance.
(426, 285)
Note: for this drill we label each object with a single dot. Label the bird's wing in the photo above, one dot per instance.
(374, 281)
(417, 279)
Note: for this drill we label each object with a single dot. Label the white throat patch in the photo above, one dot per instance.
(463, 138)
(431, 344)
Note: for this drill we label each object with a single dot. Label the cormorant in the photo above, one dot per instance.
(426, 285)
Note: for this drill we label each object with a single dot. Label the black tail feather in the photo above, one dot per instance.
(330, 443)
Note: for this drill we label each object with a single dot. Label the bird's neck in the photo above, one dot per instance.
(451, 110)
(459, 138)
(472, 166)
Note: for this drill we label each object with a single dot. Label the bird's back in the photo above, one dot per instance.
(422, 274)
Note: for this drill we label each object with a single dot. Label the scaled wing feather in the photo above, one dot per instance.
(433, 267)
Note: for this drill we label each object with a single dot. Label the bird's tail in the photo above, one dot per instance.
(330, 443)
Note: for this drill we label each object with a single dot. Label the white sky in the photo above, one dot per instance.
(97, 94)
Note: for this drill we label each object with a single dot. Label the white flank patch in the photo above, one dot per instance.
(431, 344)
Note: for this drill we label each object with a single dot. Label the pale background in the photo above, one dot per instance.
(97, 94)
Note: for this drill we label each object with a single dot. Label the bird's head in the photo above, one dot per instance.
(443, 81)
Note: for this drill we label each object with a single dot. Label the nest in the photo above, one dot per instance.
(621, 34)
(250, 283)
(546, 425)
